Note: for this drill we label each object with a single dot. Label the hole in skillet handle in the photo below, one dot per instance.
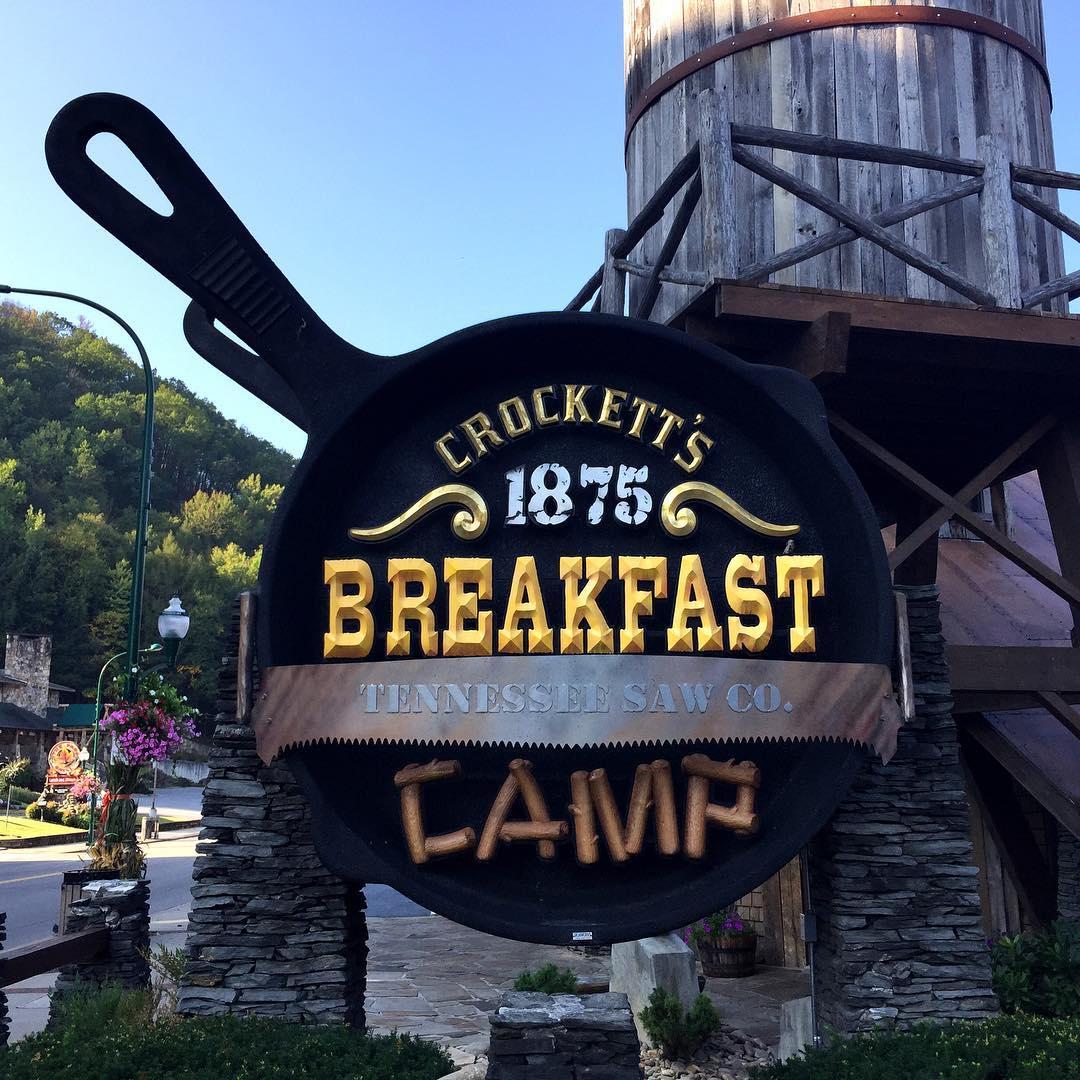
(115, 158)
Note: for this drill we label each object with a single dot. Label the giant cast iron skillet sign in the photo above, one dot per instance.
(573, 628)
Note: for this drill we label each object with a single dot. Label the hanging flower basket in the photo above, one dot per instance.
(143, 731)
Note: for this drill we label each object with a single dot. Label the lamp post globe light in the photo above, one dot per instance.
(173, 624)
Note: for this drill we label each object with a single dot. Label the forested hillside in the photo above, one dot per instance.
(71, 408)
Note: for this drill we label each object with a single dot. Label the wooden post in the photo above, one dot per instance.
(613, 285)
(245, 657)
(999, 223)
(717, 185)
(1059, 477)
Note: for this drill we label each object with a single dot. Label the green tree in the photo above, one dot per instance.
(71, 415)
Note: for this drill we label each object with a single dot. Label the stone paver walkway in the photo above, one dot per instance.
(437, 979)
(434, 978)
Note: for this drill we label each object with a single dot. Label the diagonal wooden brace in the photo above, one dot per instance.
(1017, 448)
(1042, 573)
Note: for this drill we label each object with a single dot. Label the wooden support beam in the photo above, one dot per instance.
(653, 210)
(1057, 706)
(51, 953)
(998, 222)
(761, 271)
(670, 246)
(1057, 287)
(991, 786)
(1049, 213)
(920, 566)
(918, 318)
(820, 351)
(1025, 174)
(1016, 449)
(1017, 668)
(1042, 573)
(903, 657)
(245, 658)
(1059, 478)
(863, 226)
(613, 287)
(586, 290)
(718, 184)
(1060, 802)
(824, 146)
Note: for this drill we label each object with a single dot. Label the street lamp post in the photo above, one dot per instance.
(173, 624)
(139, 561)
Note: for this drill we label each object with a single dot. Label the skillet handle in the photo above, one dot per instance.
(202, 247)
(241, 366)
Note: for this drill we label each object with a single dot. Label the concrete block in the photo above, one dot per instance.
(638, 967)
(796, 1027)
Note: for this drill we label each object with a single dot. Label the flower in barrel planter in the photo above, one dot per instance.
(725, 944)
(151, 729)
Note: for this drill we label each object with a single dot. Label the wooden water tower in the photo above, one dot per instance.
(866, 193)
(964, 79)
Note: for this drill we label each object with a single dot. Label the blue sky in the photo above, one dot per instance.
(413, 168)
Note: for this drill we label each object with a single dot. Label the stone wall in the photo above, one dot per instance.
(123, 907)
(271, 931)
(892, 879)
(28, 657)
(1068, 869)
(563, 1037)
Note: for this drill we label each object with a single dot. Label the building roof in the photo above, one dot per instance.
(62, 688)
(14, 717)
(5, 677)
(79, 715)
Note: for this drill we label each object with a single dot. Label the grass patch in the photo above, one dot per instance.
(109, 1035)
(22, 828)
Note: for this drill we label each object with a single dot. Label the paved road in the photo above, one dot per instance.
(30, 887)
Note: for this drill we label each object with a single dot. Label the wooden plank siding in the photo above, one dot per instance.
(920, 87)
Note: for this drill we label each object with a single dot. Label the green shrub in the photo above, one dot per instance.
(1039, 972)
(109, 1035)
(50, 812)
(1017, 1047)
(677, 1032)
(75, 817)
(548, 980)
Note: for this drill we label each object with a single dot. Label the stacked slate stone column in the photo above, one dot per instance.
(271, 931)
(892, 878)
(124, 908)
(1068, 869)
(563, 1037)
(5, 1019)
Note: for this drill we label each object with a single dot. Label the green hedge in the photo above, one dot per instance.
(1017, 1047)
(107, 1036)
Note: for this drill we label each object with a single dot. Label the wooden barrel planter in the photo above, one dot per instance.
(729, 957)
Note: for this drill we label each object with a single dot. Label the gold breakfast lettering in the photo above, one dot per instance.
(468, 620)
